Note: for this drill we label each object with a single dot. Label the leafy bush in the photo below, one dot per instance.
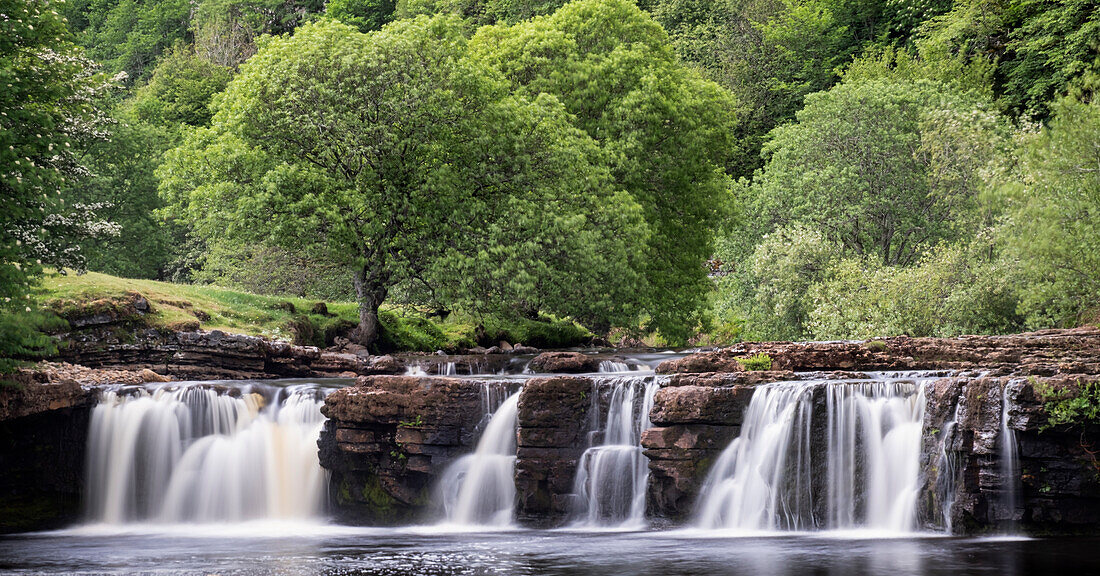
(756, 362)
(1070, 406)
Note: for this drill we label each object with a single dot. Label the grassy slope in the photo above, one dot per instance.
(186, 306)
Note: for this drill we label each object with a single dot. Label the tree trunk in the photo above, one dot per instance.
(370, 291)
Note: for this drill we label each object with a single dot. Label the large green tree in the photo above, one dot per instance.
(663, 130)
(397, 155)
(888, 166)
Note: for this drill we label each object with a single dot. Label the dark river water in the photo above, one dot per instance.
(266, 549)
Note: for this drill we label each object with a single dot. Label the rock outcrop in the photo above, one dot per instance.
(554, 419)
(565, 362)
(1033, 353)
(43, 432)
(388, 438)
(216, 355)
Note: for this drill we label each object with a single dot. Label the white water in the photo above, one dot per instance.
(479, 489)
(766, 479)
(945, 480)
(189, 453)
(612, 366)
(610, 485)
(1009, 468)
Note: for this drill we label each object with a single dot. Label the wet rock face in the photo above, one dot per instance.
(695, 417)
(387, 440)
(43, 433)
(554, 419)
(565, 362)
(968, 485)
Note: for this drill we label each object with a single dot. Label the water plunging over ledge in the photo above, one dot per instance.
(795, 468)
(205, 453)
(610, 484)
(479, 488)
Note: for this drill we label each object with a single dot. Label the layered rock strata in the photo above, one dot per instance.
(389, 438)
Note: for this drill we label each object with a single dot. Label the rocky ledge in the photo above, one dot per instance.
(216, 355)
(1036, 353)
(390, 438)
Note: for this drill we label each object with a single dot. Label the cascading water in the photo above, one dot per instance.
(948, 467)
(612, 366)
(610, 484)
(193, 453)
(769, 478)
(762, 480)
(479, 489)
(1009, 468)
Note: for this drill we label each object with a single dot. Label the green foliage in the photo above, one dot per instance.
(769, 291)
(952, 290)
(423, 148)
(885, 167)
(769, 54)
(1072, 405)
(664, 133)
(366, 15)
(756, 362)
(46, 87)
(1053, 217)
(271, 270)
(418, 421)
(225, 31)
(180, 90)
(411, 332)
(1052, 44)
(541, 333)
(129, 35)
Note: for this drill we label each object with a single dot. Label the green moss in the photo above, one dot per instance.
(875, 345)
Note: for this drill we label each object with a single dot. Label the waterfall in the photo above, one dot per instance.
(447, 369)
(479, 489)
(610, 484)
(762, 480)
(612, 366)
(1009, 468)
(779, 475)
(194, 453)
(948, 467)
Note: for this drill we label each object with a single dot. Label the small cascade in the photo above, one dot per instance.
(479, 489)
(612, 366)
(415, 370)
(1009, 467)
(948, 468)
(447, 369)
(192, 453)
(779, 475)
(762, 480)
(610, 484)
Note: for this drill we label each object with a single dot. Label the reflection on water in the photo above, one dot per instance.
(260, 550)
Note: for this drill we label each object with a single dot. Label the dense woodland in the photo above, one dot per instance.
(680, 170)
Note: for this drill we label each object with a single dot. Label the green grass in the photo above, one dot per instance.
(190, 307)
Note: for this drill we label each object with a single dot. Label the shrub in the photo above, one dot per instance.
(756, 362)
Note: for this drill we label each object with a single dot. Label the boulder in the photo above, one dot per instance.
(564, 362)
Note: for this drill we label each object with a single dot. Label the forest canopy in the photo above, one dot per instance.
(665, 171)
